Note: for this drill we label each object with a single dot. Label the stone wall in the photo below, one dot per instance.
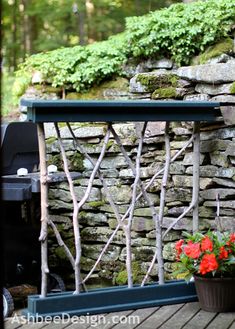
(152, 79)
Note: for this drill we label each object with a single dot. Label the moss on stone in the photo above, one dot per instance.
(147, 80)
(51, 140)
(109, 144)
(152, 82)
(73, 96)
(232, 88)
(223, 47)
(56, 160)
(161, 93)
(76, 162)
(60, 253)
(121, 278)
(118, 83)
(96, 204)
(62, 124)
(97, 92)
(48, 89)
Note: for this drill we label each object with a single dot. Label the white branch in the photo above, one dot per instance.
(196, 174)
(75, 214)
(127, 228)
(95, 169)
(62, 244)
(116, 211)
(217, 218)
(99, 173)
(44, 208)
(159, 245)
(127, 212)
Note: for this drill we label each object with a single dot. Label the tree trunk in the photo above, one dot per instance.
(80, 12)
(14, 35)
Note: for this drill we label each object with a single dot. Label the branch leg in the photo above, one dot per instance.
(44, 208)
(196, 174)
(76, 228)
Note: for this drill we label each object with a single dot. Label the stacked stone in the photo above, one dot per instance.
(159, 80)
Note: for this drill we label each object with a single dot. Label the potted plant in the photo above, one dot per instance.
(210, 259)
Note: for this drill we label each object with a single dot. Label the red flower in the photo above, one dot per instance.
(208, 264)
(192, 250)
(206, 244)
(223, 253)
(232, 237)
(178, 247)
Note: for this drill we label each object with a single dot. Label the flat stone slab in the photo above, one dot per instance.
(214, 74)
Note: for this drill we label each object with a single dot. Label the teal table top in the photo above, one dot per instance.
(116, 111)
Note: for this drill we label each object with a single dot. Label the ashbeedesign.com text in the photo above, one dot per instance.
(65, 318)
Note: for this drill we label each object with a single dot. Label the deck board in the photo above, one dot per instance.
(109, 319)
(160, 316)
(142, 315)
(55, 326)
(177, 316)
(200, 320)
(33, 326)
(182, 316)
(11, 325)
(222, 321)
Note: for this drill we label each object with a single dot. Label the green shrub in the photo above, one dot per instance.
(181, 31)
(178, 32)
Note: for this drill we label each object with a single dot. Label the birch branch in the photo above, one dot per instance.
(217, 218)
(102, 253)
(164, 235)
(179, 218)
(44, 209)
(127, 212)
(61, 243)
(109, 197)
(127, 228)
(158, 222)
(149, 269)
(196, 174)
(95, 169)
(162, 170)
(143, 188)
(191, 206)
(159, 245)
(166, 173)
(76, 229)
(117, 215)
(118, 141)
(99, 173)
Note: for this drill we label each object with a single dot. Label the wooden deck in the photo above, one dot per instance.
(187, 316)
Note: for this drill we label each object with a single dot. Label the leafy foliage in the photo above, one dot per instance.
(179, 32)
(32, 26)
(80, 66)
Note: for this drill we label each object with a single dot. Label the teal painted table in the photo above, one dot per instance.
(116, 298)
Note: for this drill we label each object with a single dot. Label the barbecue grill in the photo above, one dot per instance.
(21, 207)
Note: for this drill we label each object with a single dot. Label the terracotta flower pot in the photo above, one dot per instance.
(216, 294)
